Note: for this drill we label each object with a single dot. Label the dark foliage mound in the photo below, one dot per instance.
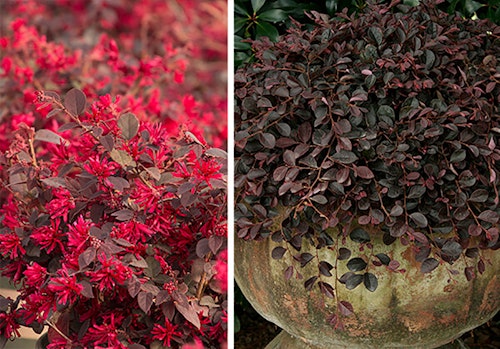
(389, 118)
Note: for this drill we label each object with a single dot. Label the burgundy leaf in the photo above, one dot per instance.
(289, 272)
(326, 289)
(489, 216)
(393, 265)
(309, 283)
(87, 289)
(419, 219)
(278, 252)
(75, 101)
(186, 309)
(344, 253)
(324, 268)
(129, 125)
(134, 286)
(370, 281)
(345, 308)
(429, 265)
(145, 301)
(481, 266)
(364, 172)
(470, 273)
(267, 140)
(87, 257)
(55, 182)
(279, 173)
(48, 136)
(107, 141)
(353, 281)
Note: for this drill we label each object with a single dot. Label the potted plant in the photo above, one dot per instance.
(113, 230)
(366, 174)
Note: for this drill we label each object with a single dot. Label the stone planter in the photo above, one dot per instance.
(407, 310)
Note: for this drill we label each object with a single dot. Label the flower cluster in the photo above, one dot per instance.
(113, 212)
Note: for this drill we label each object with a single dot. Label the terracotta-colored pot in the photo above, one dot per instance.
(407, 310)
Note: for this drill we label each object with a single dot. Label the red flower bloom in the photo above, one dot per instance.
(78, 233)
(49, 237)
(106, 333)
(165, 333)
(65, 287)
(9, 325)
(10, 245)
(38, 306)
(110, 273)
(101, 168)
(35, 275)
(61, 204)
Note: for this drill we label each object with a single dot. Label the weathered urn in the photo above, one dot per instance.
(407, 310)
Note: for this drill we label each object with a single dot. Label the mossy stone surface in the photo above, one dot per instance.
(407, 310)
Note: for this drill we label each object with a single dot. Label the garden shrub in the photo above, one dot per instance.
(113, 175)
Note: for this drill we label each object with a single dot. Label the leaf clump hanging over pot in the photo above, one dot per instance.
(387, 119)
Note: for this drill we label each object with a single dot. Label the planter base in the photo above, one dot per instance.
(286, 341)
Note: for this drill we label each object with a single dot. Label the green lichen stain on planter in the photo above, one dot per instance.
(409, 310)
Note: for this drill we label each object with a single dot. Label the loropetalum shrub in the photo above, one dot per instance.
(114, 231)
(389, 119)
(113, 213)
(173, 73)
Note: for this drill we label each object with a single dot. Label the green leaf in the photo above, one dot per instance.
(320, 199)
(239, 23)
(412, 3)
(257, 5)
(472, 6)
(452, 249)
(241, 46)
(331, 6)
(274, 15)
(430, 58)
(266, 29)
(386, 114)
(241, 10)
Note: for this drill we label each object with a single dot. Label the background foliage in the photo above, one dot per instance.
(257, 18)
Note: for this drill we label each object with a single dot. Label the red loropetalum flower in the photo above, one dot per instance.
(120, 248)
(113, 219)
